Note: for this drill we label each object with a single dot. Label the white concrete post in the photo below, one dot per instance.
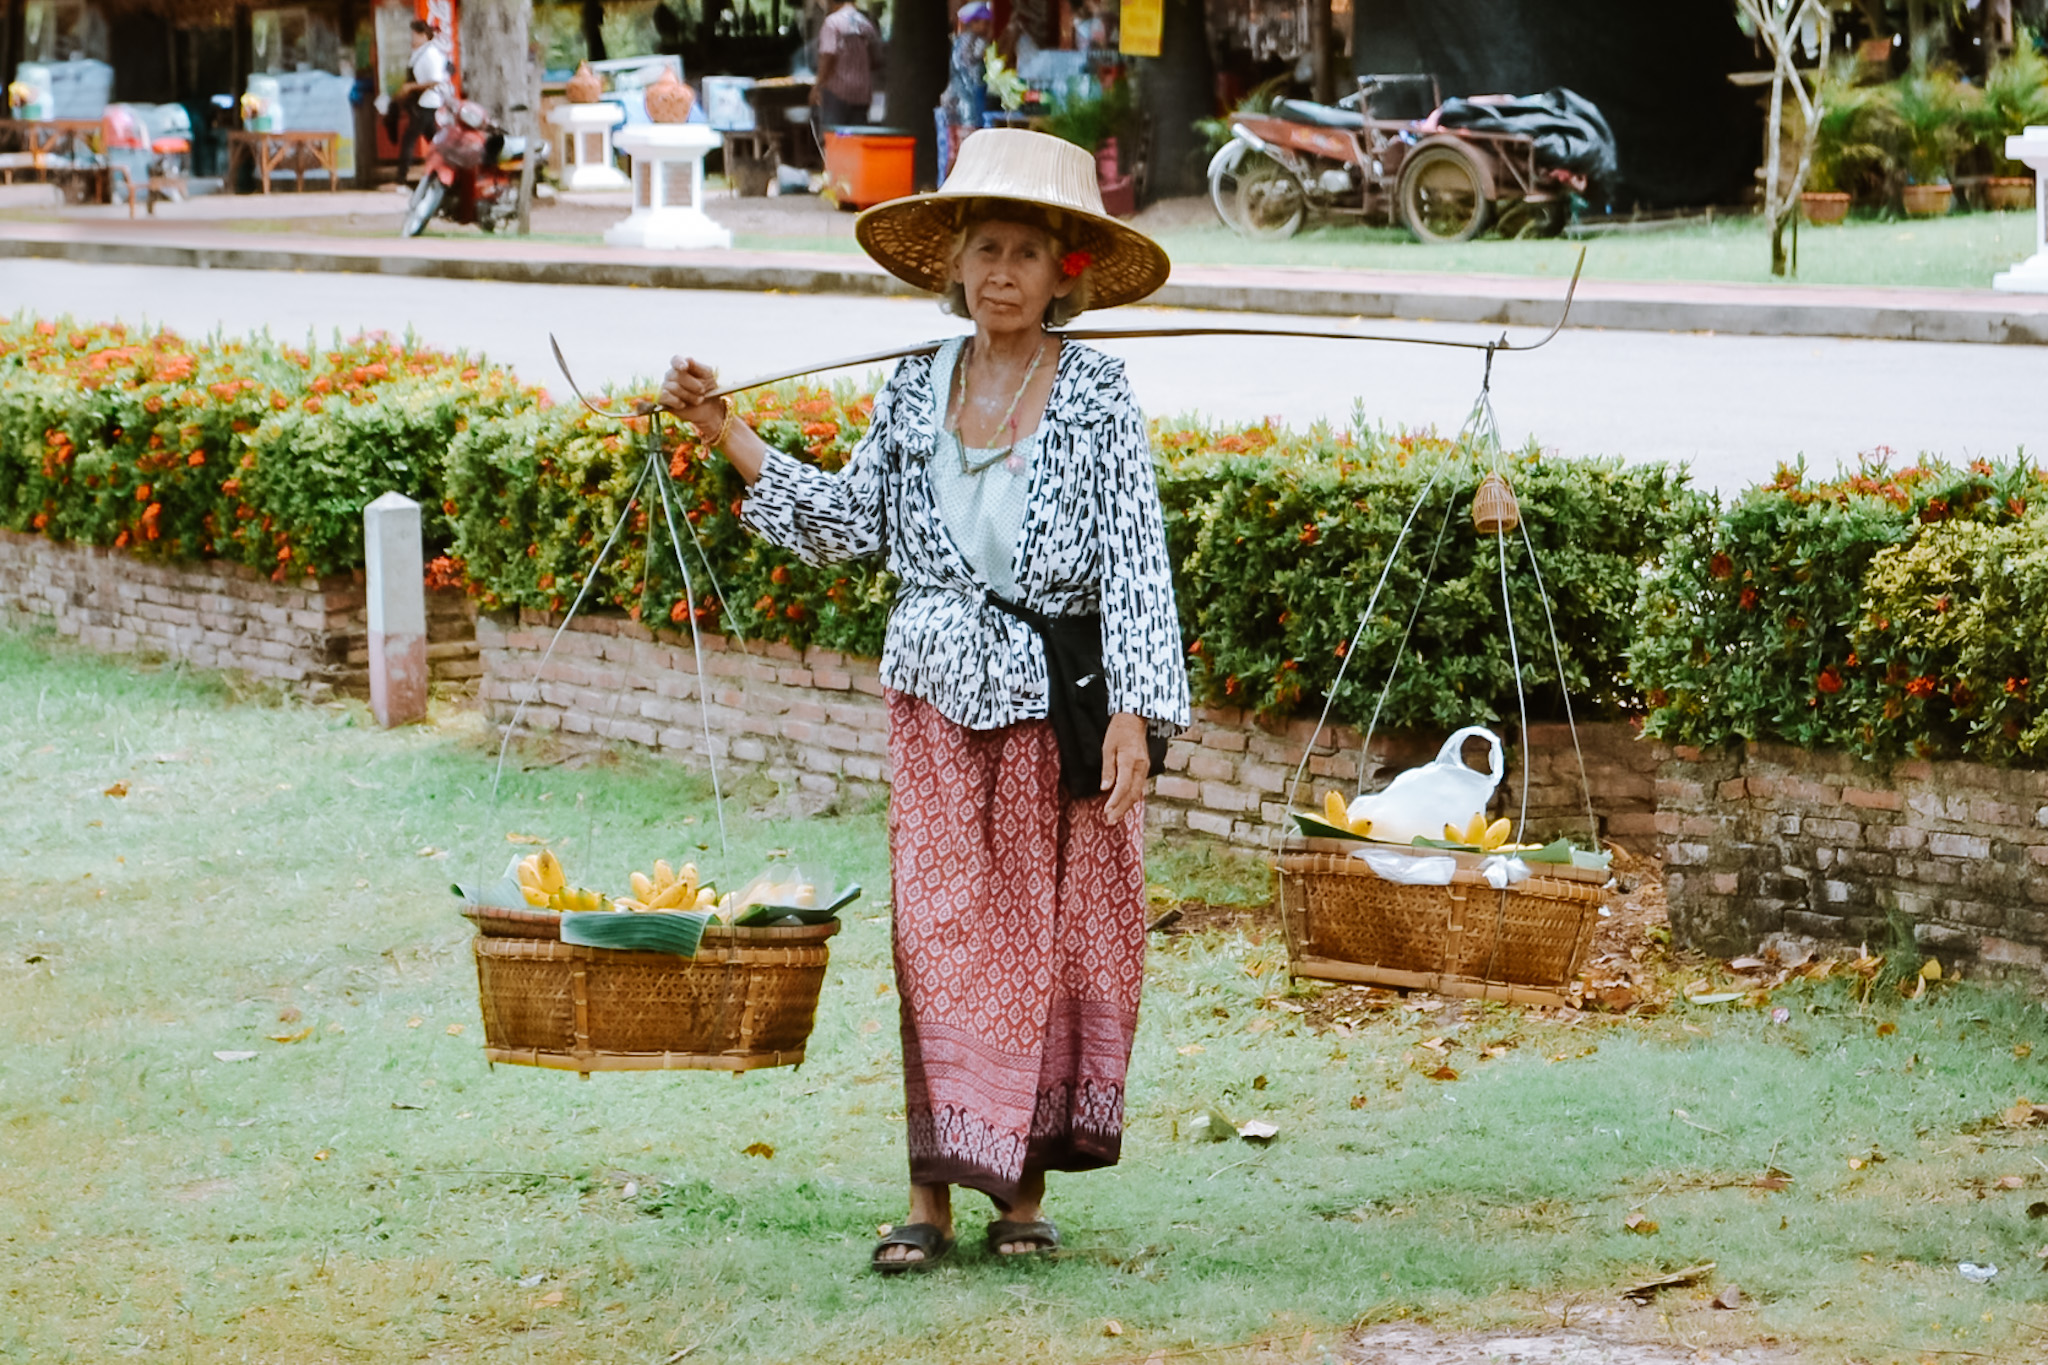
(2031, 275)
(396, 567)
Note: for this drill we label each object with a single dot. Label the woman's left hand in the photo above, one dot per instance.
(1126, 763)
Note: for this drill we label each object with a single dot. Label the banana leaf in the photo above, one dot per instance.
(1321, 829)
(502, 894)
(651, 931)
(762, 916)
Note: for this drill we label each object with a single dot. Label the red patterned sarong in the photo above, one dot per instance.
(1020, 953)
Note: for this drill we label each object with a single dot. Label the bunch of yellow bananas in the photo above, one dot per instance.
(1338, 815)
(1479, 834)
(669, 889)
(542, 882)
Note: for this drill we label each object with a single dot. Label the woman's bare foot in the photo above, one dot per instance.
(931, 1204)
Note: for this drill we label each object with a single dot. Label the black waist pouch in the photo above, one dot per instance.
(1077, 695)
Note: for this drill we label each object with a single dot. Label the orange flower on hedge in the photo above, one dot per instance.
(1829, 681)
(1721, 566)
(1922, 686)
(1748, 599)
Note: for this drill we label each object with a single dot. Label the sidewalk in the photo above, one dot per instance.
(283, 232)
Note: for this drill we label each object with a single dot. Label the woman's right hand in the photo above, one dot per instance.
(683, 393)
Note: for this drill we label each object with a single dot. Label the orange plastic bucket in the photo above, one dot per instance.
(864, 167)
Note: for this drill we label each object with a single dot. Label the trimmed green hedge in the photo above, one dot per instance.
(1890, 614)
(265, 455)
(252, 452)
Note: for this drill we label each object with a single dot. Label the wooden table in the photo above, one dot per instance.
(61, 152)
(298, 152)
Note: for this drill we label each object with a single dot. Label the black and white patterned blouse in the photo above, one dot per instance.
(1094, 539)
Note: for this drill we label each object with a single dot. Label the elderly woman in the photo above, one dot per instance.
(1011, 469)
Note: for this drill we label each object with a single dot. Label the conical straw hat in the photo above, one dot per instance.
(1053, 181)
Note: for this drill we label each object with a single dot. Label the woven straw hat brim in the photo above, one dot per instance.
(912, 239)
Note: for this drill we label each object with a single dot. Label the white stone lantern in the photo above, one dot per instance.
(668, 188)
(2031, 275)
(587, 145)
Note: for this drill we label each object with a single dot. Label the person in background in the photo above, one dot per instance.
(411, 115)
(966, 94)
(848, 51)
(1091, 34)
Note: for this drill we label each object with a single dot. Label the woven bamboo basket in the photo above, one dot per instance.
(1346, 923)
(746, 1000)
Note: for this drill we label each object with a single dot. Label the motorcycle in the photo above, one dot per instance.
(1442, 183)
(471, 173)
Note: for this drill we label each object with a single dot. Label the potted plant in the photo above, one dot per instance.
(1935, 111)
(2015, 98)
(1089, 116)
(1856, 151)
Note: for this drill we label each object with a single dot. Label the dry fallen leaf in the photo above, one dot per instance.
(1112, 1328)
(322, 1154)
(234, 1056)
(870, 1026)
(1259, 1026)
(759, 1149)
(288, 1015)
(1257, 1130)
(1930, 970)
(292, 1037)
(1731, 1297)
(1191, 1049)
(1639, 1225)
(524, 839)
(414, 1022)
(454, 1030)
(118, 789)
(2012, 1182)
(1442, 1073)
(549, 1299)
(1776, 1180)
(1887, 1029)
(2023, 1050)
(1358, 1101)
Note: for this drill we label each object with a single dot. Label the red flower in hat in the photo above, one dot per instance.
(1074, 262)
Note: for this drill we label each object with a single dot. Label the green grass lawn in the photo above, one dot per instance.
(1961, 251)
(366, 1188)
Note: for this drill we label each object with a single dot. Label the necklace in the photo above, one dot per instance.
(1007, 455)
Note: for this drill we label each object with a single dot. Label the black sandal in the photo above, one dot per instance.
(1009, 1230)
(923, 1237)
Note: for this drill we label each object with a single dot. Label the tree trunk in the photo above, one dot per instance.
(1180, 87)
(1322, 60)
(593, 30)
(915, 72)
(494, 55)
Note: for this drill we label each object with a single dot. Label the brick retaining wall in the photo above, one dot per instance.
(815, 721)
(1770, 838)
(220, 615)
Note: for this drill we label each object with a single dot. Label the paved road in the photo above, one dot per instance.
(1732, 406)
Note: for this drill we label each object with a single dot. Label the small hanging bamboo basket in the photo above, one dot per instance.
(747, 1000)
(1494, 509)
(1523, 944)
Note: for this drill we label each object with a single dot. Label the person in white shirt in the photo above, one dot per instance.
(411, 115)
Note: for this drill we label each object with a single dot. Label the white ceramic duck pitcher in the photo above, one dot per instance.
(1421, 801)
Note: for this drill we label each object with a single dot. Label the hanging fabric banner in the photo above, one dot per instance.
(1139, 25)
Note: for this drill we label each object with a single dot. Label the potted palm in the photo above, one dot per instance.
(1935, 111)
(2015, 98)
(1858, 149)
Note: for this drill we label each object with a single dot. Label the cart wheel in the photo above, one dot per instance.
(1255, 195)
(425, 203)
(1441, 195)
